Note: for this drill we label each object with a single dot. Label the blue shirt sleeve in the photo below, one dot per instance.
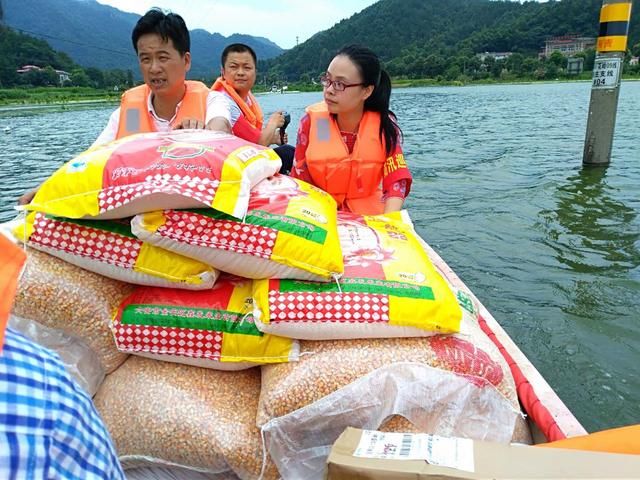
(49, 427)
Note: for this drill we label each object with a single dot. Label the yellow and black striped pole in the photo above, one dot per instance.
(605, 89)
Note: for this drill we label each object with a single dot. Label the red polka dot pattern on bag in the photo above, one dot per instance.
(204, 231)
(328, 307)
(201, 190)
(168, 341)
(102, 245)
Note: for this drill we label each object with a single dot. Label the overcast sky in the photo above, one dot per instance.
(280, 21)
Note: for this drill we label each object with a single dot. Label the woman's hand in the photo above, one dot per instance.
(393, 204)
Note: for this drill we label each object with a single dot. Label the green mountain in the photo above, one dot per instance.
(96, 35)
(410, 35)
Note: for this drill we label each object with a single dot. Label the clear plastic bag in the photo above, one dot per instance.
(434, 400)
(449, 385)
(79, 360)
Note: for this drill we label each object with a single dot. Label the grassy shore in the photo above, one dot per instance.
(56, 95)
(86, 95)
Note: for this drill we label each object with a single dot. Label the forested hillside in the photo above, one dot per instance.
(424, 38)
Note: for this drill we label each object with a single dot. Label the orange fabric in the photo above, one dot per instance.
(352, 179)
(617, 440)
(11, 260)
(193, 105)
(252, 113)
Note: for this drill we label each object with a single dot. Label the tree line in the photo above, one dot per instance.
(440, 39)
(20, 49)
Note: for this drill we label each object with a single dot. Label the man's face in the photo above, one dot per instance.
(239, 71)
(163, 68)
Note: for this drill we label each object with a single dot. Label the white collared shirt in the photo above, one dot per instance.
(217, 106)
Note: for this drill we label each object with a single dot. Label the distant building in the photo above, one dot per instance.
(567, 45)
(496, 55)
(28, 68)
(62, 75)
(634, 60)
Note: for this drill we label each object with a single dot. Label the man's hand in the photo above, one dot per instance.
(27, 196)
(189, 123)
(219, 124)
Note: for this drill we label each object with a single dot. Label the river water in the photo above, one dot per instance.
(551, 249)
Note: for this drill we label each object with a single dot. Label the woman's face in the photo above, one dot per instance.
(352, 98)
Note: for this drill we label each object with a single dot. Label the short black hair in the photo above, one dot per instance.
(237, 48)
(167, 25)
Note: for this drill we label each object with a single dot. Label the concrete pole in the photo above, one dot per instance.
(605, 89)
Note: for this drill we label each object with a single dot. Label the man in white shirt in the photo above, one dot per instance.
(162, 44)
(167, 100)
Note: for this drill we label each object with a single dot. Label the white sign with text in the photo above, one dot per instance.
(606, 72)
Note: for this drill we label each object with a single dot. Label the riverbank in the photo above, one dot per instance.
(75, 97)
(56, 96)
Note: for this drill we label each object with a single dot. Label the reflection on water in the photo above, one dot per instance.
(590, 230)
(596, 237)
(552, 250)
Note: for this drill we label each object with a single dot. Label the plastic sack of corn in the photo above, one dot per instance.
(179, 416)
(389, 288)
(289, 232)
(109, 248)
(209, 328)
(160, 170)
(449, 385)
(79, 303)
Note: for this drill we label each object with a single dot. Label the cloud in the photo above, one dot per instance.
(281, 21)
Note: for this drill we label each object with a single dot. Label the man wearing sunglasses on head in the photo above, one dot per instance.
(349, 144)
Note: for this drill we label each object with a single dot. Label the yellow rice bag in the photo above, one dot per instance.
(109, 248)
(289, 232)
(152, 171)
(389, 288)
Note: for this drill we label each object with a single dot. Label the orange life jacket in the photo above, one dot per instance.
(135, 116)
(12, 259)
(352, 179)
(253, 112)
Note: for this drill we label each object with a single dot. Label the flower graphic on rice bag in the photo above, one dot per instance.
(273, 194)
(362, 248)
(182, 150)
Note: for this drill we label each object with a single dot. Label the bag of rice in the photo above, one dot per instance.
(166, 414)
(289, 232)
(446, 385)
(64, 297)
(210, 328)
(155, 171)
(109, 248)
(389, 288)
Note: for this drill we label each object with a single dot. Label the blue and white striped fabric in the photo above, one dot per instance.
(49, 428)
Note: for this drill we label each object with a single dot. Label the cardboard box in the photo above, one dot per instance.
(466, 459)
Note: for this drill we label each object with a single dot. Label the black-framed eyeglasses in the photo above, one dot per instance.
(338, 85)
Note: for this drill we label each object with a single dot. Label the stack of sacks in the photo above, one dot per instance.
(181, 312)
(385, 333)
(81, 213)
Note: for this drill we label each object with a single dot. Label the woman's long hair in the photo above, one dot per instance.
(368, 64)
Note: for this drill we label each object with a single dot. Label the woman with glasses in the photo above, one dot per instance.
(349, 144)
